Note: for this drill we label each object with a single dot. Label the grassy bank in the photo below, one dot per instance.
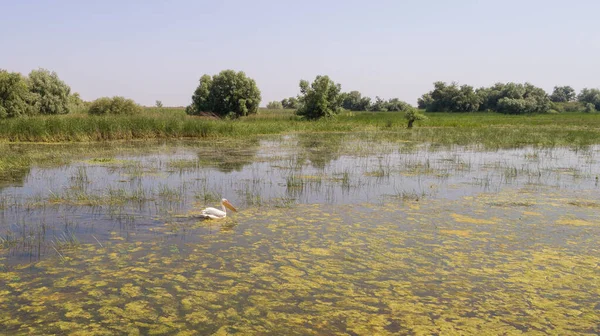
(489, 129)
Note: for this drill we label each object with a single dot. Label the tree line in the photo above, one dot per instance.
(351, 101)
(508, 98)
(42, 92)
(232, 94)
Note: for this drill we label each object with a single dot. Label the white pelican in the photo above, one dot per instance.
(216, 213)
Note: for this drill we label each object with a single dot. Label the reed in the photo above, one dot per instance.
(488, 128)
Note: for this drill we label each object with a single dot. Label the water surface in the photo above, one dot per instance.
(336, 234)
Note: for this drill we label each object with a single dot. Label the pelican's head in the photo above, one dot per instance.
(228, 205)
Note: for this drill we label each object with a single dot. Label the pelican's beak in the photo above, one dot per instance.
(229, 206)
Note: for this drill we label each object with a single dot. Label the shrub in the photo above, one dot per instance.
(572, 106)
(589, 108)
(115, 105)
(275, 105)
(590, 96)
(562, 94)
(76, 104)
(397, 105)
(412, 115)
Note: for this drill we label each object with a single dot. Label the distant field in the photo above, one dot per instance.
(489, 129)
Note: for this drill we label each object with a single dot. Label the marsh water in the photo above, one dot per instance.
(335, 234)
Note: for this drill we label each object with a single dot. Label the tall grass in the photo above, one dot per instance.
(486, 128)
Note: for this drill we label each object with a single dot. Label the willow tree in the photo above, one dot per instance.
(229, 93)
(14, 95)
(50, 93)
(320, 99)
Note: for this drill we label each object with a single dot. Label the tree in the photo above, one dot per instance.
(201, 99)
(542, 101)
(364, 104)
(562, 94)
(523, 99)
(397, 105)
(424, 101)
(467, 100)
(229, 93)
(392, 105)
(115, 105)
(451, 98)
(379, 105)
(320, 99)
(354, 101)
(509, 98)
(290, 103)
(14, 95)
(412, 115)
(159, 104)
(590, 96)
(589, 108)
(50, 94)
(514, 98)
(490, 96)
(274, 105)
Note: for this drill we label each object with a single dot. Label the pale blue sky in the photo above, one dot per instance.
(157, 50)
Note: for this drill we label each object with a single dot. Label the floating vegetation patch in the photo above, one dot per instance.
(109, 161)
(585, 204)
(471, 220)
(512, 204)
(334, 235)
(575, 222)
(460, 233)
(314, 269)
(184, 164)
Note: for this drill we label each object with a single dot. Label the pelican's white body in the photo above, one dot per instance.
(214, 213)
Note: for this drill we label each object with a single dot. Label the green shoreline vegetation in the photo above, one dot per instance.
(40, 108)
(579, 129)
